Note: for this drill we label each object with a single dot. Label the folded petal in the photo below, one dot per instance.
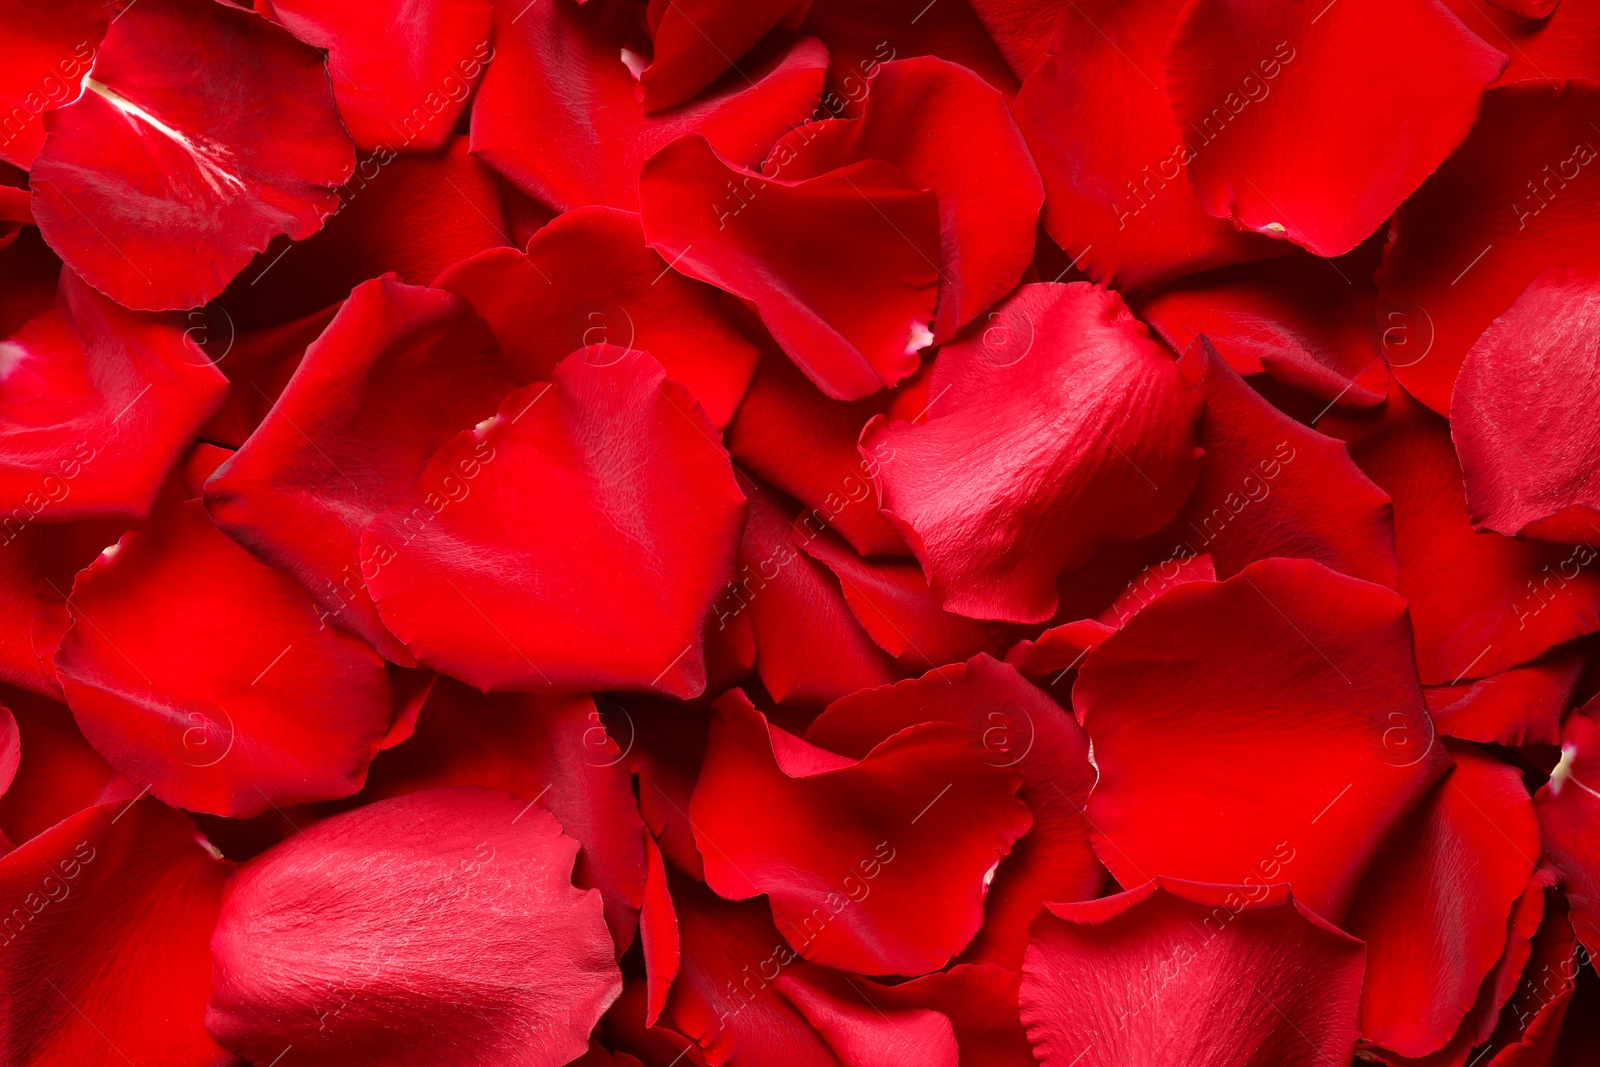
(1514, 199)
(96, 403)
(194, 667)
(37, 564)
(1057, 426)
(401, 72)
(843, 268)
(557, 112)
(57, 774)
(395, 375)
(588, 278)
(1558, 46)
(1519, 706)
(1021, 30)
(1299, 739)
(48, 52)
(440, 925)
(1324, 155)
(979, 999)
(696, 40)
(1018, 727)
(862, 35)
(1096, 116)
(864, 869)
(486, 569)
(1569, 820)
(106, 957)
(204, 132)
(1529, 453)
(1143, 978)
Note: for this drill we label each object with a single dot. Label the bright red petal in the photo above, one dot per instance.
(1520, 706)
(205, 132)
(612, 461)
(58, 774)
(1249, 779)
(48, 51)
(440, 926)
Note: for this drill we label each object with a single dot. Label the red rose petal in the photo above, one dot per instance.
(658, 933)
(1160, 979)
(989, 193)
(1271, 487)
(557, 112)
(1057, 427)
(1433, 910)
(1520, 706)
(616, 462)
(395, 375)
(205, 132)
(864, 871)
(57, 774)
(696, 40)
(1480, 602)
(437, 926)
(1569, 820)
(48, 51)
(1120, 206)
(1255, 779)
(105, 958)
(549, 751)
(37, 564)
(862, 35)
(1019, 727)
(843, 268)
(96, 403)
(860, 1032)
(588, 278)
(258, 364)
(196, 668)
(1476, 234)
(980, 1000)
(1021, 30)
(804, 443)
(1561, 45)
(1319, 166)
(1294, 318)
(669, 744)
(401, 72)
(1520, 414)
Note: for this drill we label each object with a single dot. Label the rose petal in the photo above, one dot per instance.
(258, 364)
(48, 51)
(1559, 46)
(57, 774)
(1267, 781)
(1569, 820)
(696, 40)
(205, 132)
(1059, 426)
(616, 462)
(979, 999)
(1322, 168)
(843, 268)
(858, 878)
(398, 371)
(1159, 978)
(1021, 31)
(861, 35)
(1520, 706)
(437, 925)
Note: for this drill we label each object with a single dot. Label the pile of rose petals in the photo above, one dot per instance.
(773, 533)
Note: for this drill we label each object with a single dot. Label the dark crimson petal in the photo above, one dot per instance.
(96, 403)
(37, 564)
(1519, 706)
(862, 35)
(743, 995)
(979, 999)
(1019, 727)
(588, 278)
(1323, 169)
(1537, 994)
(395, 375)
(550, 751)
(810, 647)
(1513, 200)
(1057, 426)
(401, 71)
(669, 746)
(439, 927)
(658, 933)
(1434, 907)
(1531, 9)
(58, 774)
(1480, 602)
(1561, 45)
(864, 868)
(804, 443)
(198, 670)
(258, 363)
(205, 132)
(1021, 30)
(15, 212)
(1120, 206)
(696, 40)
(989, 193)
(1294, 318)
(616, 463)
(48, 51)
(1170, 961)
(1520, 414)
(1270, 486)
(1249, 777)
(1569, 820)
(10, 748)
(900, 613)
(843, 268)
(557, 112)
(105, 957)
